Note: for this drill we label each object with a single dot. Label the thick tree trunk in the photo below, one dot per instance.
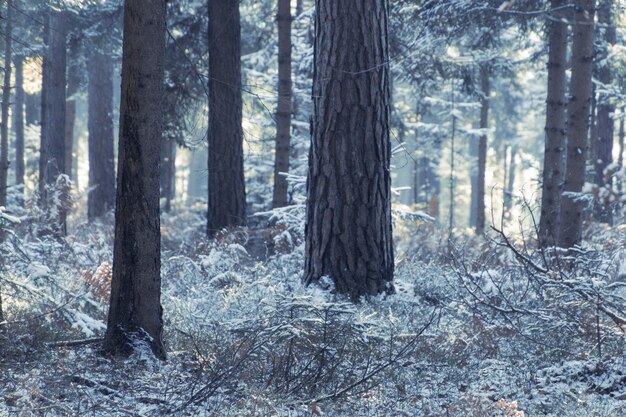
(577, 124)
(349, 230)
(101, 198)
(18, 121)
(554, 160)
(603, 155)
(482, 149)
(73, 82)
(285, 100)
(135, 312)
(227, 194)
(6, 98)
(52, 153)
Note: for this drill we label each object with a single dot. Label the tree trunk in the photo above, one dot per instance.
(508, 199)
(73, 82)
(18, 121)
(168, 173)
(6, 98)
(227, 194)
(482, 150)
(283, 115)
(33, 108)
(299, 7)
(135, 313)
(473, 166)
(554, 161)
(577, 123)
(101, 196)
(52, 153)
(603, 155)
(348, 228)
(620, 154)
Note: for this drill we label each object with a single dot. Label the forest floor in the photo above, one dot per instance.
(245, 338)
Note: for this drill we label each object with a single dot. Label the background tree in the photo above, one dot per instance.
(578, 108)
(227, 195)
(6, 96)
(285, 101)
(135, 311)
(555, 142)
(348, 230)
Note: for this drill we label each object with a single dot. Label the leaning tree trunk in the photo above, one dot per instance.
(135, 312)
(603, 155)
(482, 149)
(18, 121)
(52, 152)
(73, 82)
(577, 124)
(283, 115)
(6, 97)
(554, 161)
(227, 194)
(348, 228)
(101, 198)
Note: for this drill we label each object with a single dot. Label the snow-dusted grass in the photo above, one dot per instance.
(245, 338)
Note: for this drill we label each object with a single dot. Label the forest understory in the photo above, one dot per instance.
(470, 331)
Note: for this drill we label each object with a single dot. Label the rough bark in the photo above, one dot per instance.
(101, 196)
(73, 82)
(285, 100)
(6, 98)
(135, 312)
(348, 228)
(226, 183)
(482, 149)
(555, 139)
(603, 148)
(577, 124)
(18, 121)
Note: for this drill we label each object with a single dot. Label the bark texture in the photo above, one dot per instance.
(482, 149)
(349, 230)
(577, 124)
(135, 312)
(285, 101)
(18, 121)
(603, 149)
(227, 194)
(555, 139)
(6, 98)
(101, 198)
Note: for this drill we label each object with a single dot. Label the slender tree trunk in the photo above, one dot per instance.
(168, 173)
(473, 166)
(620, 155)
(554, 161)
(18, 121)
(6, 98)
(349, 230)
(52, 153)
(135, 312)
(603, 156)
(285, 100)
(227, 194)
(577, 123)
(33, 108)
(482, 150)
(101, 197)
(299, 7)
(73, 82)
(508, 199)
